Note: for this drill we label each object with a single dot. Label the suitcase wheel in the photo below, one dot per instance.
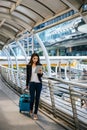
(20, 111)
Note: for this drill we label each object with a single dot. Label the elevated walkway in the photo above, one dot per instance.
(11, 119)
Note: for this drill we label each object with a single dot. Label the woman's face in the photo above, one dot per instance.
(35, 59)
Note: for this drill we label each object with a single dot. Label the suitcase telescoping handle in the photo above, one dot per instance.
(26, 91)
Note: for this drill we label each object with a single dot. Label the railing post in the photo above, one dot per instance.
(52, 97)
(69, 70)
(74, 110)
(59, 69)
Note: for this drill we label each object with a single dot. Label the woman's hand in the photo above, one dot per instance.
(40, 71)
(27, 87)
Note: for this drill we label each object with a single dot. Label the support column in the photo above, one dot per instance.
(26, 59)
(45, 53)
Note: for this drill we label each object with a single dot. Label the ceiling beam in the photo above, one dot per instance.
(11, 23)
(17, 20)
(18, 2)
(11, 27)
(8, 41)
(21, 32)
(3, 38)
(2, 43)
(2, 22)
(14, 6)
(7, 34)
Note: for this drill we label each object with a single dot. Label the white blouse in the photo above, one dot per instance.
(34, 77)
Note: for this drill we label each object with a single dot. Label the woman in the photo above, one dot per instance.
(34, 81)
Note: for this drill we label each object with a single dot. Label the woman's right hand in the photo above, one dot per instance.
(26, 87)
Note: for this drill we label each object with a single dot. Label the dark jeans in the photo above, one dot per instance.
(35, 91)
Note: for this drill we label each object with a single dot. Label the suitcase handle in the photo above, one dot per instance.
(26, 100)
(26, 91)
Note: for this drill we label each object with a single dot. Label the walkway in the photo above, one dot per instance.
(11, 119)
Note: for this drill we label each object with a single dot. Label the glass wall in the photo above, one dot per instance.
(60, 40)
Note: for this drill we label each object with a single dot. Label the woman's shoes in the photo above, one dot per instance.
(31, 113)
(35, 117)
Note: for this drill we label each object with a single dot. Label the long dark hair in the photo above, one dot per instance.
(31, 61)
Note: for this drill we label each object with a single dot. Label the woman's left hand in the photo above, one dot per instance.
(40, 71)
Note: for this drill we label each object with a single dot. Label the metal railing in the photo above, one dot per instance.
(65, 100)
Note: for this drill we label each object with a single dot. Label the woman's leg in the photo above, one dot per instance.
(38, 87)
(32, 95)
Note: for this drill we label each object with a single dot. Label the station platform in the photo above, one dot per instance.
(12, 119)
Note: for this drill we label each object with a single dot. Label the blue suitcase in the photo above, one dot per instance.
(24, 103)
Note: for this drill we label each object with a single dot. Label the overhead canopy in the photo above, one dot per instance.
(17, 16)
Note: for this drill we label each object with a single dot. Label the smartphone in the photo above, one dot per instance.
(38, 68)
